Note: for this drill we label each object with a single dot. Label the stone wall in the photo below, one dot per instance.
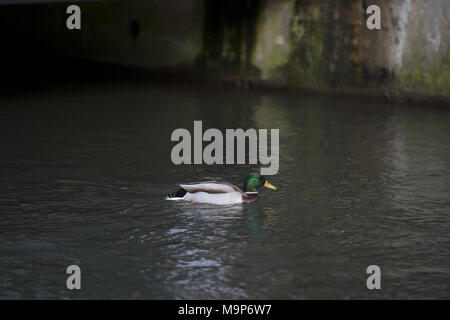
(324, 45)
(320, 45)
(148, 33)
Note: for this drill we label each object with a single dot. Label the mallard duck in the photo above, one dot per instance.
(221, 193)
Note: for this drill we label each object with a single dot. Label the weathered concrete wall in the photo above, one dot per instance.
(142, 33)
(324, 44)
(321, 45)
(422, 54)
(413, 46)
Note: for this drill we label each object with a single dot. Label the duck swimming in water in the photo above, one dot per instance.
(221, 193)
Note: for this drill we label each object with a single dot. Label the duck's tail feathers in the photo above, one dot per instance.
(177, 195)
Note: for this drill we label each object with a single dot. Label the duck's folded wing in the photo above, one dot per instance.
(210, 187)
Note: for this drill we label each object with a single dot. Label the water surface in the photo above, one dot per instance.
(84, 169)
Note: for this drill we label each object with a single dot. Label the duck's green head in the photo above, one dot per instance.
(255, 180)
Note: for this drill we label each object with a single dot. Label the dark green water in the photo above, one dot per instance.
(84, 170)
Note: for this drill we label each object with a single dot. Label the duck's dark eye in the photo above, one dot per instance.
(262, 178)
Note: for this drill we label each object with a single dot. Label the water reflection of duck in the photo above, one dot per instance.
(221, 193)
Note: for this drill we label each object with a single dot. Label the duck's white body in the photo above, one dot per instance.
(219, 198)
(218, 193)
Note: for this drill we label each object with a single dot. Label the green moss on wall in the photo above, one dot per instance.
(322, 53)
(273, 41)
(306, 63)
(425, 81)
(432, 78)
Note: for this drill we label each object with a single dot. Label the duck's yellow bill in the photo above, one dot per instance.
(270, 186)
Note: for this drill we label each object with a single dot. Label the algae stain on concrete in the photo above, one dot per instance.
(322, 44)
(432, 78)
(273, 38)
(426, 55)
(229, 36)
(322, 47)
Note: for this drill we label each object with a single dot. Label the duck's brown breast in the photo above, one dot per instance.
(250, 197)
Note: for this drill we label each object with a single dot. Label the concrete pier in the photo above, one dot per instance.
(318, 46)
